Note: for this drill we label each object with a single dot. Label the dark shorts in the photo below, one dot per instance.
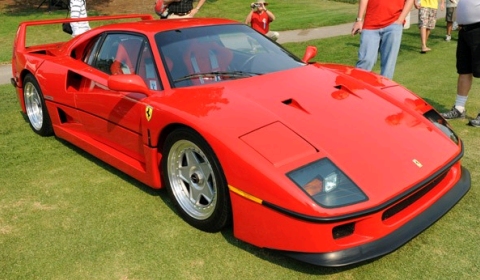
(451, 14)
(468, 50)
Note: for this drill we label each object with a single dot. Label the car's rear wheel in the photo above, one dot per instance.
(195, 181)
(35, 106)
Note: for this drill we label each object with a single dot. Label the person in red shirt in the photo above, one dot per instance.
(380, 23)
(259, 19)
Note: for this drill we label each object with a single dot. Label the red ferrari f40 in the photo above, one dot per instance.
(328, 164)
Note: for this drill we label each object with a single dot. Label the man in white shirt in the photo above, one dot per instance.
(468, 57)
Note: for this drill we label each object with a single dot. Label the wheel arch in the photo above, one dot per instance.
(174, 126)
(166, 131)
(22, 76)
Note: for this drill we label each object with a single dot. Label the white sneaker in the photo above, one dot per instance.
(448, 38)
(455, 26)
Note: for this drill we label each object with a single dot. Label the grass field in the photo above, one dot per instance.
(67, 215)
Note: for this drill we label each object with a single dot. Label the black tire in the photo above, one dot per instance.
(195, 181)
(37, 112)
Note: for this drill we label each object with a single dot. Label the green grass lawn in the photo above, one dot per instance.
(66, 215)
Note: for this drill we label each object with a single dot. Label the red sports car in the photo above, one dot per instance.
(326, 163)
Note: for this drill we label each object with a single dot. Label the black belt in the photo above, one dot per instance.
(468, 27)
(181, 14)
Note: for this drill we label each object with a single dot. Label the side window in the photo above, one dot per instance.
(124, 54)
(147, 69)
(103, 52)
(107, 54)
(92, 48)
(110, 50)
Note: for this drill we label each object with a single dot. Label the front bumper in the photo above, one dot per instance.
(394, 240)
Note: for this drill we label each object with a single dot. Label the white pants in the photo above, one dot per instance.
(78, 9)
(273, 35)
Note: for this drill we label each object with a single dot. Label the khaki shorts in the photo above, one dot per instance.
(427, 18)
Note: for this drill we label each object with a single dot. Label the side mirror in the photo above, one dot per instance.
(128, 82)
(310, 52)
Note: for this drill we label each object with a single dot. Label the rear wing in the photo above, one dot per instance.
(20, 38)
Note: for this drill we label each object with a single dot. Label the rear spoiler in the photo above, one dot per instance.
(21, 31)
(94, 18)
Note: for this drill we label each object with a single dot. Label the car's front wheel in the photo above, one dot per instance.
(195, 181)
(35, 106)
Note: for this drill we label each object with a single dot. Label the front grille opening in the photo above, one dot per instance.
(343, 230)
(411, 199)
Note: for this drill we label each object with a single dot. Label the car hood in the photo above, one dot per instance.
(370, 127)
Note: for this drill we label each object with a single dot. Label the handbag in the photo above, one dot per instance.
(67, 28)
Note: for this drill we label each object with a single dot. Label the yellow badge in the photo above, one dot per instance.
(419, 164)
(148, 112)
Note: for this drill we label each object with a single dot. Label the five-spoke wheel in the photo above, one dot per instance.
(35, 106)
(195, 180)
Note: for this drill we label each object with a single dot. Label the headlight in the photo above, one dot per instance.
(326, 184)
(442, 124)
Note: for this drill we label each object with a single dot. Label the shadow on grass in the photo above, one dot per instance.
(276, 257)
(132, 181)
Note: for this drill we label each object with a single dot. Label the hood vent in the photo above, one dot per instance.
(294, 104)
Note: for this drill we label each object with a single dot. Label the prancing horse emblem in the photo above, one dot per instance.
(419, 164)
(148, 112)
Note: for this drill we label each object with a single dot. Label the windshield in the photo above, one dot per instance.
(210, 54)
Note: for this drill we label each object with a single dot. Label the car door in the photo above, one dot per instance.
(111, 117)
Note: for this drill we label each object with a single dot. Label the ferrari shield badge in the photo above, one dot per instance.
(148, 112)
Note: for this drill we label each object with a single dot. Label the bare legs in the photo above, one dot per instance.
(424, 34)
(464, 84)
(449, 28)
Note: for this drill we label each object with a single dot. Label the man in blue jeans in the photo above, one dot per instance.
(380, 23)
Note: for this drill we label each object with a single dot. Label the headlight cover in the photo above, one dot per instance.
(326, 184)
(442, 124)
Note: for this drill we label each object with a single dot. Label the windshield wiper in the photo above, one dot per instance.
(217, 74)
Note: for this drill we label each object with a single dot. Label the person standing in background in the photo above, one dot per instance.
(183, 9)
(161, 7)
(380, 23)
(427, 18)
(450, 17)
(468, 57)
(259, 19)
(78, 9)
